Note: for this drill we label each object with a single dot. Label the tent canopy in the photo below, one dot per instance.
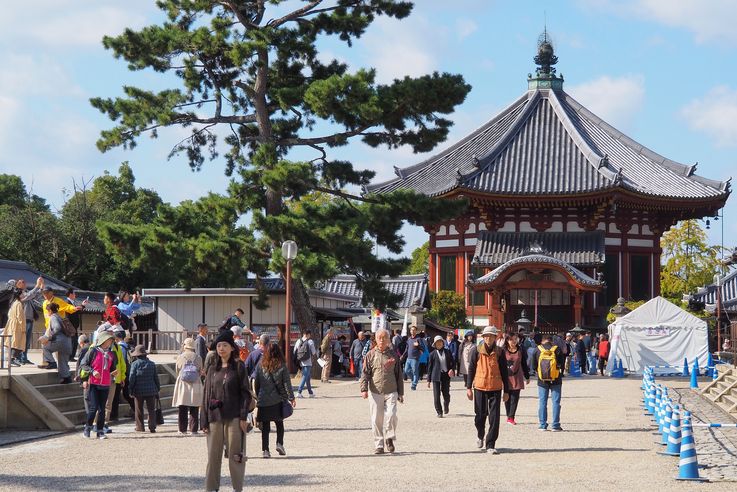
(658, 333)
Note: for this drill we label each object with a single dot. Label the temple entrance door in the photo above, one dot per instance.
(554, 309)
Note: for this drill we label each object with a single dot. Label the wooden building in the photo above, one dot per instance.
(565, 215)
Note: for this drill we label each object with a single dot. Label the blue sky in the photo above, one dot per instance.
(661, 71)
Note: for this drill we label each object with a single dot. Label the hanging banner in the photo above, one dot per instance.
(375, 313)
(405, 323)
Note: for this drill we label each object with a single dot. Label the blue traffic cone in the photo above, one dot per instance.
(714, 373)
(695, 375)
(709, 365)
(685, 373)
(651, 400)
(688, 464)
(592, 366)
(667, 422)
(656, 409)
(576, 369)
(621, 369)
(674, 436)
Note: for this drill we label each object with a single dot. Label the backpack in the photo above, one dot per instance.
(189, 373)
(303, 351)
(547, 364)
(226, 324)
(68, 328)
(125, 322)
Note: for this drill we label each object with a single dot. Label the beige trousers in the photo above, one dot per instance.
(326, 369)
(109, 402)
(383, 417)
(228, 434)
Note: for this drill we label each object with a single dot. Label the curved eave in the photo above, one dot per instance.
(499, 274)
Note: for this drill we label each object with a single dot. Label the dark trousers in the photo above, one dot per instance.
(75, 345)
(511, 404)
(194, 418)
(583, 362)
(266, 427)
(441, 386)
(96, 399)
(150, 406)
(486, 404)
(121, 391)
(602, 364)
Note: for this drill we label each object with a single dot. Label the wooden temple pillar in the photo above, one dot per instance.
(496, 315)
(577, 307)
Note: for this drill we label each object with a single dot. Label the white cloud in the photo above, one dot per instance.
(614, 99)
(64, 23)
(401, 48)
(708, 21)
(715, 114)
(465, 27)
(26, 75)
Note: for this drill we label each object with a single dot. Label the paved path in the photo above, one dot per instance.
(607, 444)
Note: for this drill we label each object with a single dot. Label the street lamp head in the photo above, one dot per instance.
(289, 250)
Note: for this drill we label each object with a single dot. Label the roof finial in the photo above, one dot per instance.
(545, 57)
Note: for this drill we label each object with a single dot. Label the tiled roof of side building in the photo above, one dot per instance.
(413, 288)
(580, 249)
(546, 143)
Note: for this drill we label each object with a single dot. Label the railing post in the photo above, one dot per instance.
(150, 340)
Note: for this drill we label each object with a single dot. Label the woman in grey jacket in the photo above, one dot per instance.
(273, 388)
(57, 341)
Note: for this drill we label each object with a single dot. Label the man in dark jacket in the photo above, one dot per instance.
(357, 353)
(254, 358)
(549, 381)
(452, 344)
(412, 354)
(487, 377)
(144, 386)
(581, 354)
(439, 371)
(201, 341)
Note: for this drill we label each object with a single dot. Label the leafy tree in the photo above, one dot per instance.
(252, 87)
(689, 262)
(420, 262)
(448, 308)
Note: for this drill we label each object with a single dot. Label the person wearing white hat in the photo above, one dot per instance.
(487, 378)
(439, 372)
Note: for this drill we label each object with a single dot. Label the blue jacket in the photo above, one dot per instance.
(253, 361)
(144, 379)
(411, 351)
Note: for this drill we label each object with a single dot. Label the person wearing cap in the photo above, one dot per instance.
(552, 387)
(187, 396)
(487, 379)
(227, 401)
(144, 386)
(111, 410)
(467, 346)
(126, 346)
(439, 372)
(382, 380)
(26, 299)
(98, 369)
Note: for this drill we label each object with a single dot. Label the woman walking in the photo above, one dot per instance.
(97, 372)
(439, 372)
(16, 328)
(468, 345)
(604, 348)
(517, 374)
(273, 390)
(226, 402)
(188, 387)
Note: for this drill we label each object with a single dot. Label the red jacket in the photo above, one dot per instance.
(604, 349)
(112, 315)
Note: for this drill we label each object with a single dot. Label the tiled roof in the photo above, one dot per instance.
(412, 288)
(577, 248)
(577, 274)
(546, 143)
(708, 295)
(15, 270)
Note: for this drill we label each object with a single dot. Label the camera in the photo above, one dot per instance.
(214, 404)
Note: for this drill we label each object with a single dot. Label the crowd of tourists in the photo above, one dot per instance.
(226, 387)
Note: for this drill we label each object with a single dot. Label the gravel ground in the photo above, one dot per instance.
(607, 444)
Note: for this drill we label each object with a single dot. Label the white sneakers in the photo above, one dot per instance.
(280, 449)
(492, 451)
(479, 443)
(267, 454)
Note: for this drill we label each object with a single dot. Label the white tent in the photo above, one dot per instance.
(658, 333)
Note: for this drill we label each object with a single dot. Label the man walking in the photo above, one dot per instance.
(74, 319)
(201, 341)
(382, 379)
(439, 372)
(412, 353)
(581, 354)
(326, 353)
(487, 377)
(452, 345)
(357, 353)
(548, 361)
(254, 358)
(305, 351)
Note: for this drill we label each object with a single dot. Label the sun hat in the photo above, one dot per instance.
(139, 351)
(489, 330)
(188, 344)
(437, 339)
(103, 337)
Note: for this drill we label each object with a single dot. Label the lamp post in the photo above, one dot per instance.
(718, 283)
(289, 252)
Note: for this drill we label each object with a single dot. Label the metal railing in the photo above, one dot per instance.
(5, 355)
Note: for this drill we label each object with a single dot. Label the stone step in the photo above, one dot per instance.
(78, 416)
(51, 391)
(49, 377)
(730, 399)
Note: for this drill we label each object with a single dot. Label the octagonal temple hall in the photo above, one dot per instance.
(565, 215)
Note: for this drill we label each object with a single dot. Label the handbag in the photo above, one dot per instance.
(286, 409)
(159, 412)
